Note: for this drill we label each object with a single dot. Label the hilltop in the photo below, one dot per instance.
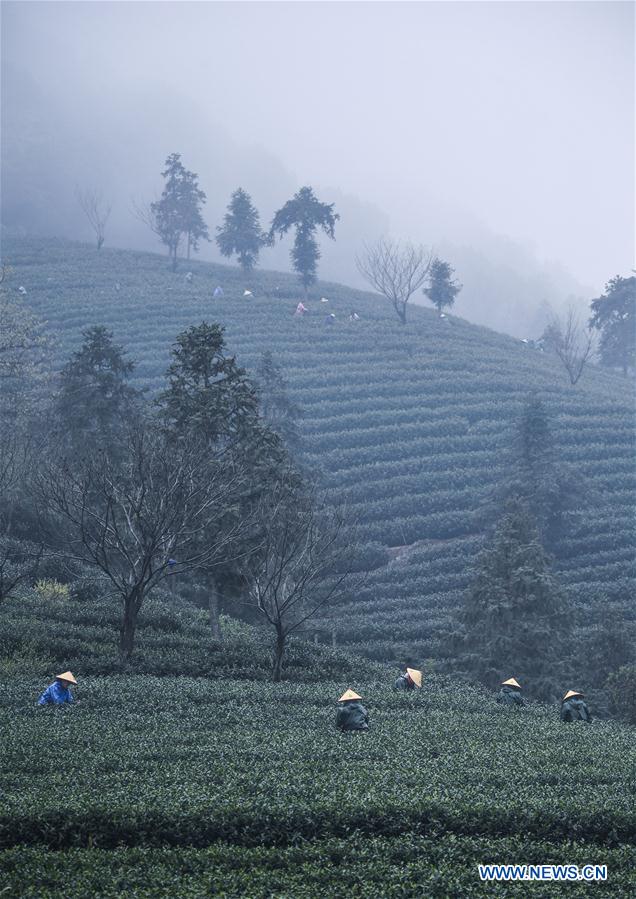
(412, 425)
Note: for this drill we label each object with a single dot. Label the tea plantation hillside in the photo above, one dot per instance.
(165, 787)
(412, 424)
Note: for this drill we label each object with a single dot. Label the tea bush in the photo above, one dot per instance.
(173, 639)
(49, 589)
(179, 761)
(403, 867)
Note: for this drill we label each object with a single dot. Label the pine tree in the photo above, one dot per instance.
(208, 394)
(241, 232)
(614, 315)
(515, 614)
(441, 289)
(280, 413)
(536, 474)
(95, 398)
(306, 214)
(210, 398)
(178, 212)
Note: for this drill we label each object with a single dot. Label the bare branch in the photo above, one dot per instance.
(573, 344)
(96, 212)
(395, 270)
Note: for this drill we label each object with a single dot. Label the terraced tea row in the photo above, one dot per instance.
(412, 425)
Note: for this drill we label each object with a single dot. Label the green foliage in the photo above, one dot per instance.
(413, 427)
(442, 289)
(172, 638)
(208, 394)
(241, 233)
(515, 614)
(432, 865)
(49, 589)
(177, 213)
(95, 399)
(19, 565)
(548, 487)
(188, 762)
(280, 413)
(614, 315)
(621, 685)
(306, 214)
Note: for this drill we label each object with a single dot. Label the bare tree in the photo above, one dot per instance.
(19, 564)
(395, 270)
(95, 210)
(571, 341)
(302, 565)
(139, 520)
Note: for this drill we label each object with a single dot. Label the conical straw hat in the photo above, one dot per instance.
(511, 682)
(570, 694)
(415, 675)
(349, 694)
(67, 676)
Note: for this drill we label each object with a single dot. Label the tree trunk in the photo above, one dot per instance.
(279, 652)
(213, 610)
(129, 625)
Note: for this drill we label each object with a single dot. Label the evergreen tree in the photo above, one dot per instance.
(177, 213)
(208, 393)
(614, 315)
(442, 289)
(547, 486)
(280, 413)
(241, 232)
(306, 214)
(95, 399)
(210, 398)
(514, 615)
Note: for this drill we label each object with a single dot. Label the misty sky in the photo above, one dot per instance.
(446, 115)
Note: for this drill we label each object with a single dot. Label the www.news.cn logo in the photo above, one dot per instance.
(543, 872)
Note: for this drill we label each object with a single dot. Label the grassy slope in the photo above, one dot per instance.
(412, 423)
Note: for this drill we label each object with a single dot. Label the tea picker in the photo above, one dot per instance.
(59, 693)
(510, 693)
(351, 715)
(411, 679)
(574, 707)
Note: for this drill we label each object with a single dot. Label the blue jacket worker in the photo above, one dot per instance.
(510, 693)
(352, 715)
(59, 693)
(411, 679)
(574, 707)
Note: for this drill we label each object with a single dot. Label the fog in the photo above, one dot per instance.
(502, 134)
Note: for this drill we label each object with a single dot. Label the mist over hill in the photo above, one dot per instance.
(113, 133)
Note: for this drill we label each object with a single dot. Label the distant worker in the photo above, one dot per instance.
(218, 292)
(330, 319)
(574, 707)
(411, 679)
(510, 693)
(59, 692)
(301, 309)
(352, 715)
(354, 317)
(188, 277)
